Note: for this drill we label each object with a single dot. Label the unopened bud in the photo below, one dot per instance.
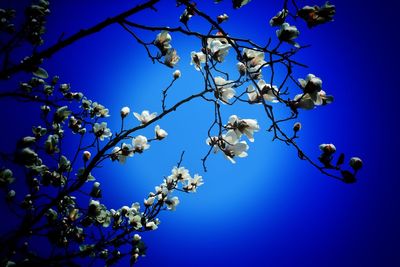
(125, 111)
(356, 163)
(241, 68)
(86, 155)
(327, 148)
(177, 74)
(297, 127)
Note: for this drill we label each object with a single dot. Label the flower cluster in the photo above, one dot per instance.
(163, 42)
(253, 63)
(229, 143)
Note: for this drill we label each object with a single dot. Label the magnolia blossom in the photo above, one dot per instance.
(268, 92)
(243, 126)
(171, 58)
(197, 59)
(151, 225)
(149, 201)
(193, 183)
(279, 18)
(140, 143)
(125, 111)
(219, 48)
(315, 15)
(229, 145)
(180, 174)
(172, 203)
(288, 33)
(254, 60)
(160, 133)
(99, 110)
(162, 41)
(241, 68)
(224, 90)
(101, 130)
(145, 117)
(305, 101)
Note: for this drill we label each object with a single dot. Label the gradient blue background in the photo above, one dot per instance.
(270, 209)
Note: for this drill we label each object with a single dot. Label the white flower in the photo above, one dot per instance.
(171, 58)
(254, 60)
(172, 203)
(101, 130)
(229, 145)
(163, 40)
(125, 111)
(151, 225)
(197, 59)
(233, 148)
(288, 33)
(305, 101)
(125, 152)
(140, 143)
(224, 90)
(180, 174)
(268, 92)
(177, 74)
(279, 18)
(150, 201)
(160, 133)
(193, 183)
(218, 49)
(145, 117)
(243, 126)
(253, 57)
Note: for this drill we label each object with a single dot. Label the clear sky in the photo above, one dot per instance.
(269, 209)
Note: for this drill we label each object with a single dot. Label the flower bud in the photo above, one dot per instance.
(125, 111)
(356, 163)
(86, 156)
(137, 237)
(241, 68)
(328, 148)
(297, 127)
(177, 74)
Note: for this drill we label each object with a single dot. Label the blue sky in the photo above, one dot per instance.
(269, 209)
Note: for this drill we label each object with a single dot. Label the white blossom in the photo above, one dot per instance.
(288, 33)
(140, 143)
(101, 130)
(171, 58)
(197, 58)
(149, 201)
(243, 126)
(160, 133)
(218, 48)
(224, 90)
(145, 117)
(151, 225)
(172, 203)
(268, 92)
(229, 145)
(193, 183)
(180, 174)
(163, 40)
